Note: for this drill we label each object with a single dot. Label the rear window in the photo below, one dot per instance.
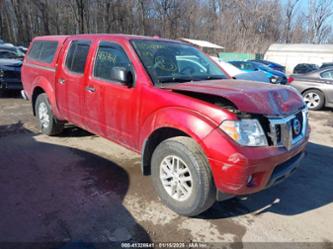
(43, 51)
(77, 56)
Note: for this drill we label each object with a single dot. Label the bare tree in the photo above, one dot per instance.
(290, 11)
(320, 12)
(238, 25)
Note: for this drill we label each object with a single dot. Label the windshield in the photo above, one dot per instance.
(173, 62)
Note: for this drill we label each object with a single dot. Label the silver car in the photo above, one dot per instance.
(316, 87)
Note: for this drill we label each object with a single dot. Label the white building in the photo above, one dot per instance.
(206, 46)
(289, 55)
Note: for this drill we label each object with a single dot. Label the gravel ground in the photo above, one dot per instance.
(80, 188)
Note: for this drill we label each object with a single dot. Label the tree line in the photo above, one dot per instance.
(238, 25)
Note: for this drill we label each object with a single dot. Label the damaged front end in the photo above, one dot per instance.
(266, 116)
(275, 131)
(259, 142)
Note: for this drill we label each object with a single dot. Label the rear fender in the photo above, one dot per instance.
(48, 88)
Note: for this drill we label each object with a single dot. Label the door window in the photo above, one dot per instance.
(109, 55)
(77, 56)
(327, 75)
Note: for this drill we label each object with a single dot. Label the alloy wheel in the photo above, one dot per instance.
(176, 178)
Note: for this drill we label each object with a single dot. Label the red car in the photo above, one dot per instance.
(202, 136)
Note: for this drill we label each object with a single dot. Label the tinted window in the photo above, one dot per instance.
(109, 55)
(43, 51)
(77, 56)
(327, 75)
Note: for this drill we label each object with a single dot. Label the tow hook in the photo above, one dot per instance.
(23, 94)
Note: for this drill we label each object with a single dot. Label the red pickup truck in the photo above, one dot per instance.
(202, 135)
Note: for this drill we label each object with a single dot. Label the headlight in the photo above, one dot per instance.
(274, 79)
(246, 132)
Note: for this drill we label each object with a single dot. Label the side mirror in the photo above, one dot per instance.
(122, 75)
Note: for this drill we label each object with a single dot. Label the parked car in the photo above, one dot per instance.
(238, 74)
(316, 87)
(9, 52)
(22, 49)
(326, 64)
(202, 136)
(275, 77)
(10, 74)
(305, 68)
(270, 64)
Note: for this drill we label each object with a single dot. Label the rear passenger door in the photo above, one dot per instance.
(71, 79)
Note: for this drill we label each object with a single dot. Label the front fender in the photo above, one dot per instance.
(192, 123)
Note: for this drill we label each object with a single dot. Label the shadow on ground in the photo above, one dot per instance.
(52, 193)
(309, 188)
(74, 131)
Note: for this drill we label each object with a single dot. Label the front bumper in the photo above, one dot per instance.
(244, 170)
(11, 84)
(285, 169)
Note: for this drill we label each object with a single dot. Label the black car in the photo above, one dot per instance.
(273, 65)
(17, 53)
(305, 68)
(326, 64)
(8, 54)
(10, 74)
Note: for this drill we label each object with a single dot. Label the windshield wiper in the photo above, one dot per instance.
(170, 79)
(214, 77)
(175, 79)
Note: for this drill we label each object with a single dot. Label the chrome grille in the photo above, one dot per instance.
(287, 132)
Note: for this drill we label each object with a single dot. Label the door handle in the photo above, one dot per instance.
(90, 89)
(61, 81)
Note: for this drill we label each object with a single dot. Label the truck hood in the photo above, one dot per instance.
(250, 97)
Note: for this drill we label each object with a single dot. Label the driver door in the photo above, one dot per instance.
(111, 108)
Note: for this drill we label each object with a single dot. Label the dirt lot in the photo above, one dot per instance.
(80, 187)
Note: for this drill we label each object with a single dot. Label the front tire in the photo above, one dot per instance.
(48, 123)
(182, 176)
(314, 99)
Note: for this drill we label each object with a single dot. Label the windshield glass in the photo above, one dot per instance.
(173, 62)
(264, 67)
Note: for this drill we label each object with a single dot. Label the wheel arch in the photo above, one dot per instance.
(35, 93)
(42, 85)
(150, 144)
(171, 122)
(317, 89)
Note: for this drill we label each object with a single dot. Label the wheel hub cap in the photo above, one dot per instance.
(176, 178)
(312, 100)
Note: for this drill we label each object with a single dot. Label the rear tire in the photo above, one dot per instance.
(48, 123)
(314, 99)
(182, 177)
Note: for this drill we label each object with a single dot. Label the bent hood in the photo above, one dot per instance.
(250, 97)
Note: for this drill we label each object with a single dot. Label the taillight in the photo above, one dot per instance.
(290, 79)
